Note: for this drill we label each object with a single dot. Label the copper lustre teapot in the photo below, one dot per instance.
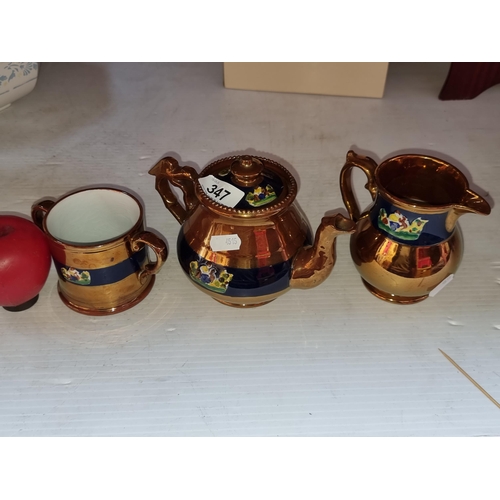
(408, 243)
(243, 241)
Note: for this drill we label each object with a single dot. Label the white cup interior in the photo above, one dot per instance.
(92, 216)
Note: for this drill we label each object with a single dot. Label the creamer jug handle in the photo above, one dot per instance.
(368, 166)
(166, 171)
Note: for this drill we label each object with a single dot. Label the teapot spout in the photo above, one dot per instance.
(313, 264)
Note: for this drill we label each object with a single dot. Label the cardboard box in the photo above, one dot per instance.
(341, 79)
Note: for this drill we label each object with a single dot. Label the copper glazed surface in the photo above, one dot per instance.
(402, 273)
(389, 246)
(277, 244)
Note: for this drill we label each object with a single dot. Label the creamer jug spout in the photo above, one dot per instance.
(474, 203)
(471, 203)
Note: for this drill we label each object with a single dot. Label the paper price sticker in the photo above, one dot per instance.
(225, 242)
(222, 192)
(441, 285)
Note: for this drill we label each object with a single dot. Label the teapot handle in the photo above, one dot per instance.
(368, 165)
(167, 171)
(39, 210)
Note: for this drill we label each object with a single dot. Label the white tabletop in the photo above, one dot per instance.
(331, 361)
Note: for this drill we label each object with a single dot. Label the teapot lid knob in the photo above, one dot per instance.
(247, 171)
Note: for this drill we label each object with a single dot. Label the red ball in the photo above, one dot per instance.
(24, 260)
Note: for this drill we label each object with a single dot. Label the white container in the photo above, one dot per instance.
(16, 80)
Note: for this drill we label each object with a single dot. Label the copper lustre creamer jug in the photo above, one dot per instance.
(408, 244)
(243, 241)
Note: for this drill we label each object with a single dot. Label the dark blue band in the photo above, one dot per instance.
(105, 275)
(412, 228)
(231, 281)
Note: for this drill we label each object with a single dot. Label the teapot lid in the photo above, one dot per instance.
(246, 186)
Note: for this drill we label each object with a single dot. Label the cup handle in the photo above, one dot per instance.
(368, 165)
(156, 244)
(39, 210)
